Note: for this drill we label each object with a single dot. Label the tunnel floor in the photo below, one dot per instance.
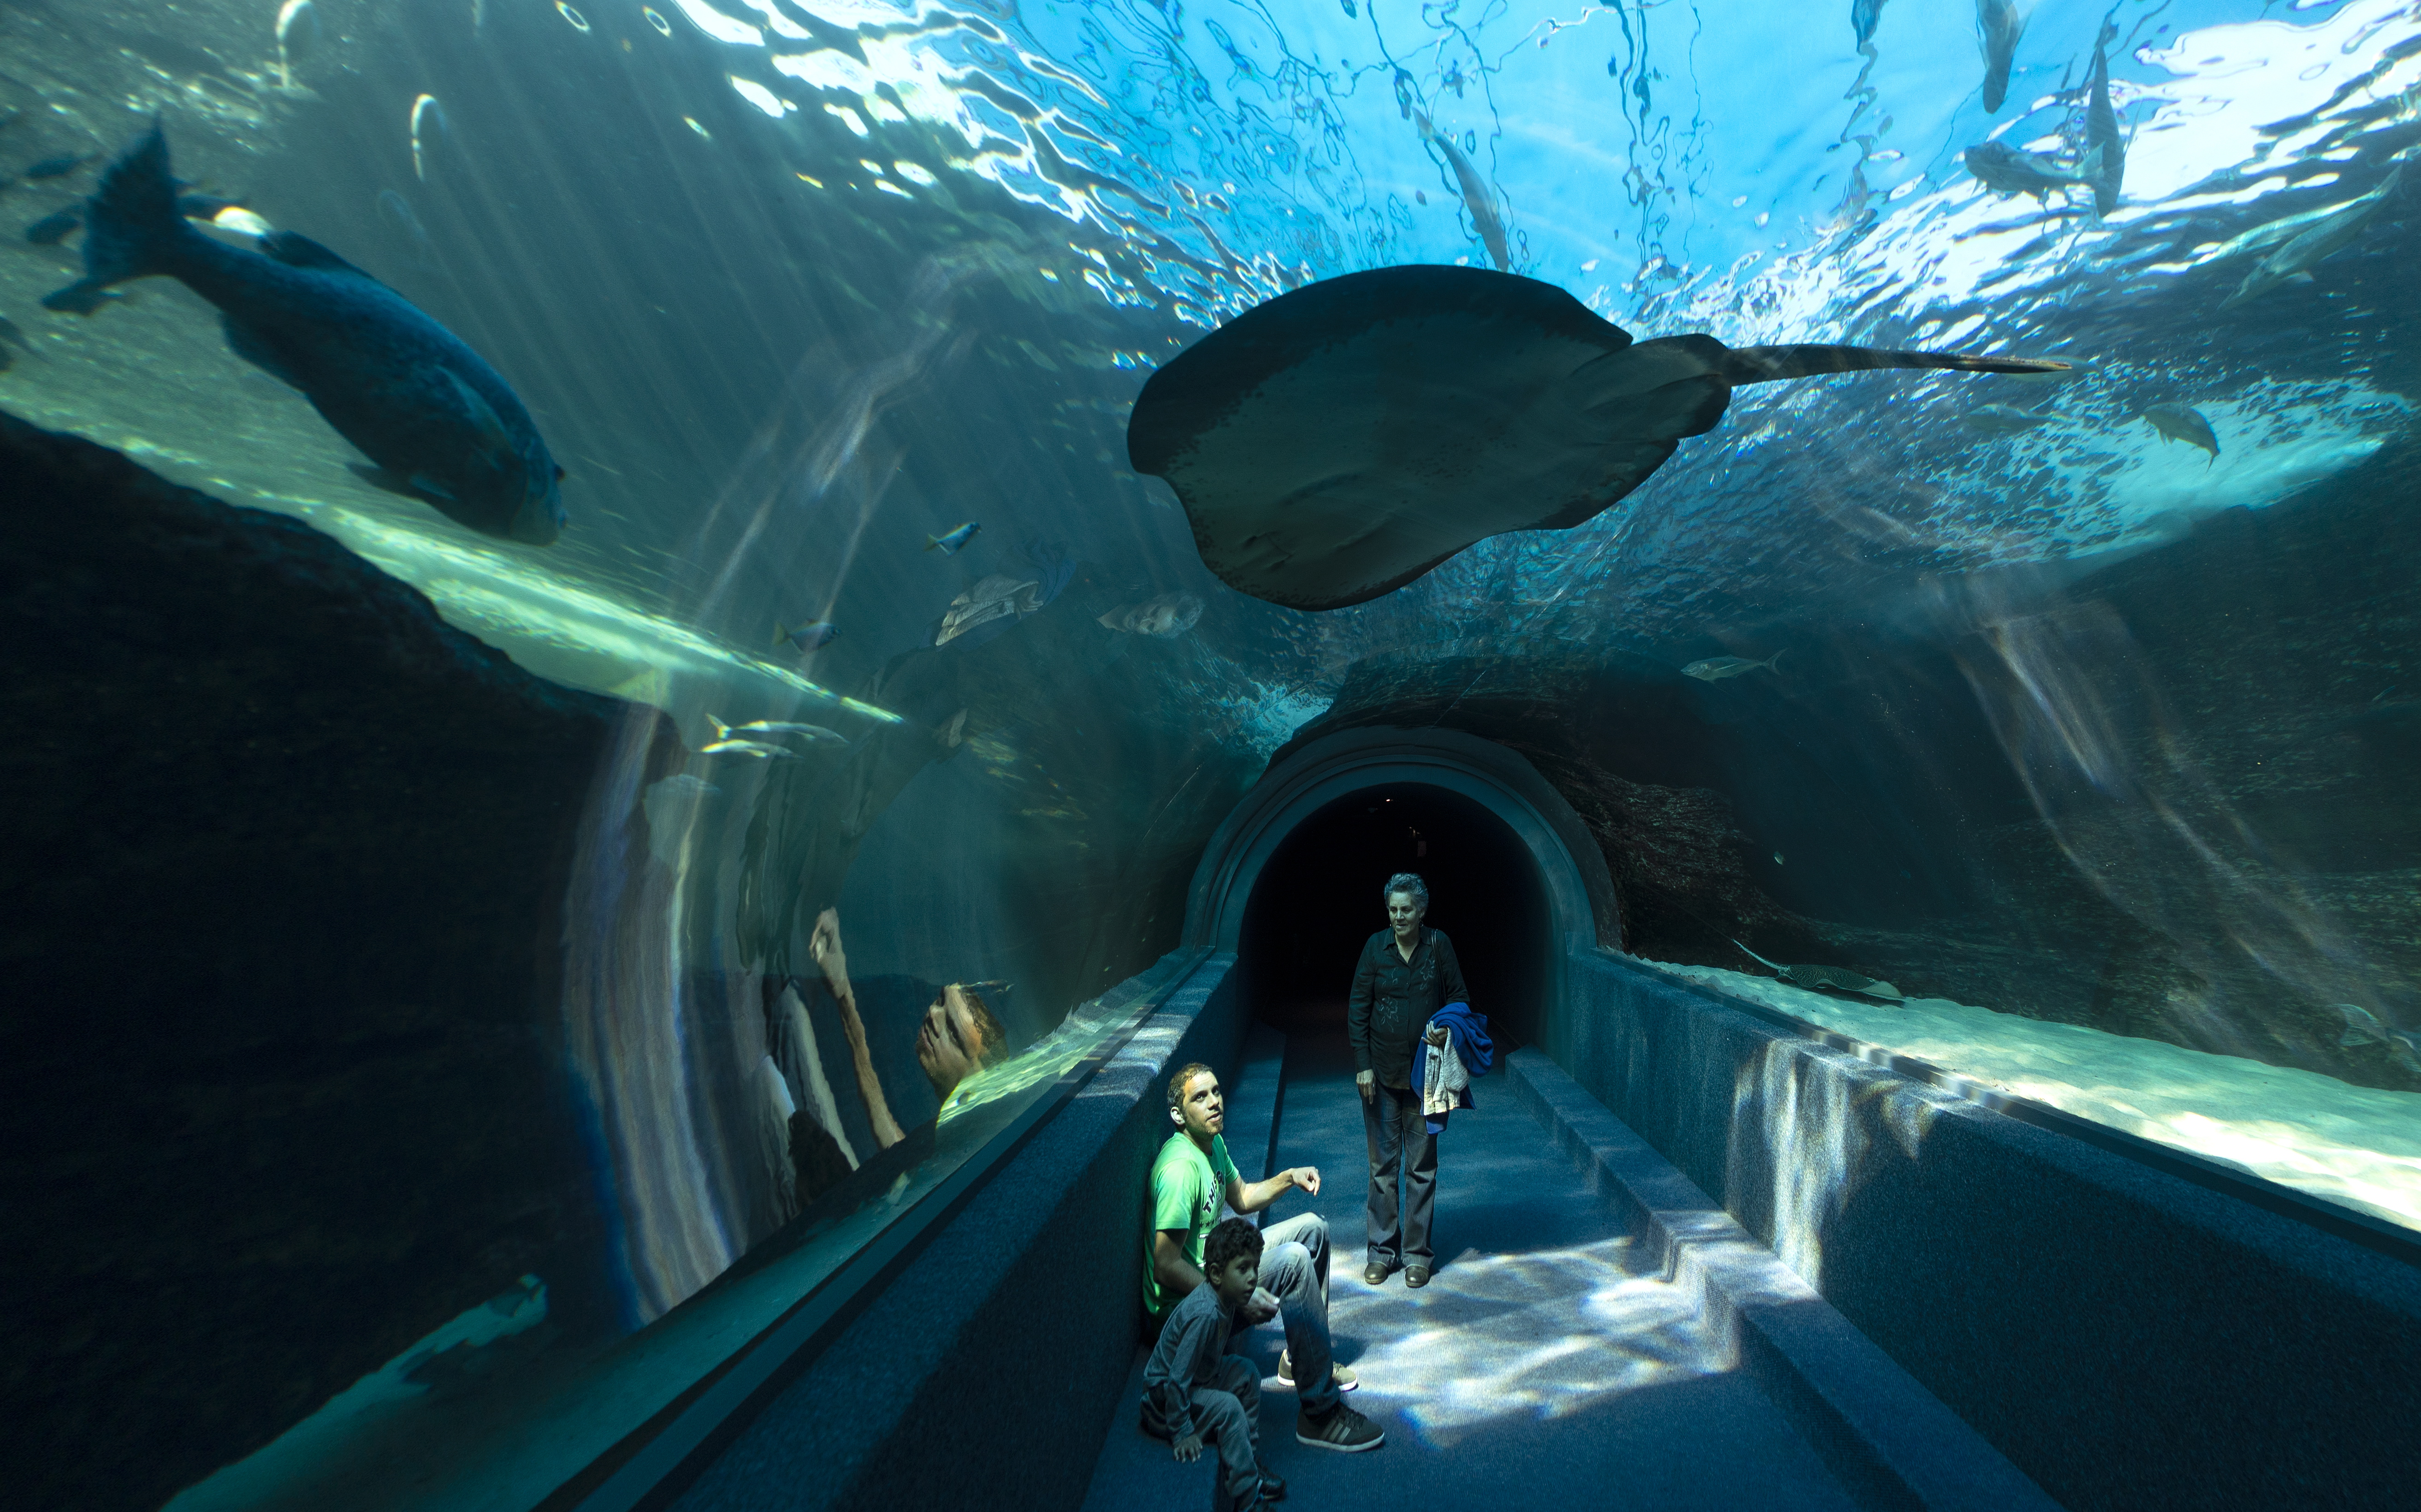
(1538, 1360)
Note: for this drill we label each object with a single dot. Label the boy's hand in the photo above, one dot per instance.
(1259, 1308)
(1188, 1448)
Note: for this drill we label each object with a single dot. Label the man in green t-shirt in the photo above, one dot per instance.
(1189, 1177)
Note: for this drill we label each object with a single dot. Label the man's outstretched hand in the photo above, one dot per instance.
(1305, 1178)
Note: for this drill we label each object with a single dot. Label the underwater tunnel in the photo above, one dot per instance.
(1291, 879)
(661, 662)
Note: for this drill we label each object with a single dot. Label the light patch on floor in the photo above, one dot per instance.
(2360, 1146)
(1544, 1334)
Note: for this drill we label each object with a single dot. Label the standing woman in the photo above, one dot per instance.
(1406, 974)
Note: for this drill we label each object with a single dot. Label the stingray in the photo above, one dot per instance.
(1339, 441)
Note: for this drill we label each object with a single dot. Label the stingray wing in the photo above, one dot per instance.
(1342, 440)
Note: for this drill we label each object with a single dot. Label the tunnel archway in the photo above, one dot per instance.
(1291, 879)
(1318, 901)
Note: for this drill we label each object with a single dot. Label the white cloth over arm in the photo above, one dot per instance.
(1442, 1084)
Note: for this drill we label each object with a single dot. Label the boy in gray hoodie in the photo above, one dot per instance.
(1193, 1389)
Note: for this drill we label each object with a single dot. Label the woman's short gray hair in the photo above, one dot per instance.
(1408, 881)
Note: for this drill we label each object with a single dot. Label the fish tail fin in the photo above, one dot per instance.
(1764, 365)
(1774, 662)
(722, 731)
(130, 225)
(781, 632)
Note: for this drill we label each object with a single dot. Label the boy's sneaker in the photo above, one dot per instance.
(1343, 1375)
(1344, 1430)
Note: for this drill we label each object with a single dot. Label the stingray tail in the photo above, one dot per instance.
(1764, 365)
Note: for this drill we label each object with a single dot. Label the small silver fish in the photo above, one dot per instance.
(747, 748)
(949, 545)
(778, 727)
(1164, 617)
(2184, 422)
(427, 125)
(683, 785)
(2003, 419)
(1716, 668)
(814, 636)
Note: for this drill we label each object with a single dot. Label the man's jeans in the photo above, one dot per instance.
(1294, 1269)
(1399, 1140)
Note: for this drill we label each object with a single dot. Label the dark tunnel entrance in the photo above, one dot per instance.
(1318, 899)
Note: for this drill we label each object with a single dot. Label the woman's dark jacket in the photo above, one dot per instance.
(1393, 999)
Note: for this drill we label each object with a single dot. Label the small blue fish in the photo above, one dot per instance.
(53, 228)
(439, 424)
(396, 211)
(812, 636)
(57, 167)
(1716, 668)
(949, 545)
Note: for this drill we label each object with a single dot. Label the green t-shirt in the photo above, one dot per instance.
(1186, 1188)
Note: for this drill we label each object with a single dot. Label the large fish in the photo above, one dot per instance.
(2332, 234)
(1998, 26)
(1475, 196)
(2006, 170)
(438, 421)
(1865, 16)
(2105, 148)
(2184, 422)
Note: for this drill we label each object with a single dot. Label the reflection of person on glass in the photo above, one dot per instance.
(1406, 974)
(1189, 1177)
(959, 1035)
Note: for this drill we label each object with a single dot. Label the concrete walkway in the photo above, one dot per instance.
(1537, 1362)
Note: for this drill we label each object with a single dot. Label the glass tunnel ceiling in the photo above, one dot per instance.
(1658, 164)
(844, 178)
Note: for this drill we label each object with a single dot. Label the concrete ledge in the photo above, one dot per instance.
(1885, 1437)
(988, 1370)
(2129, 1338)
